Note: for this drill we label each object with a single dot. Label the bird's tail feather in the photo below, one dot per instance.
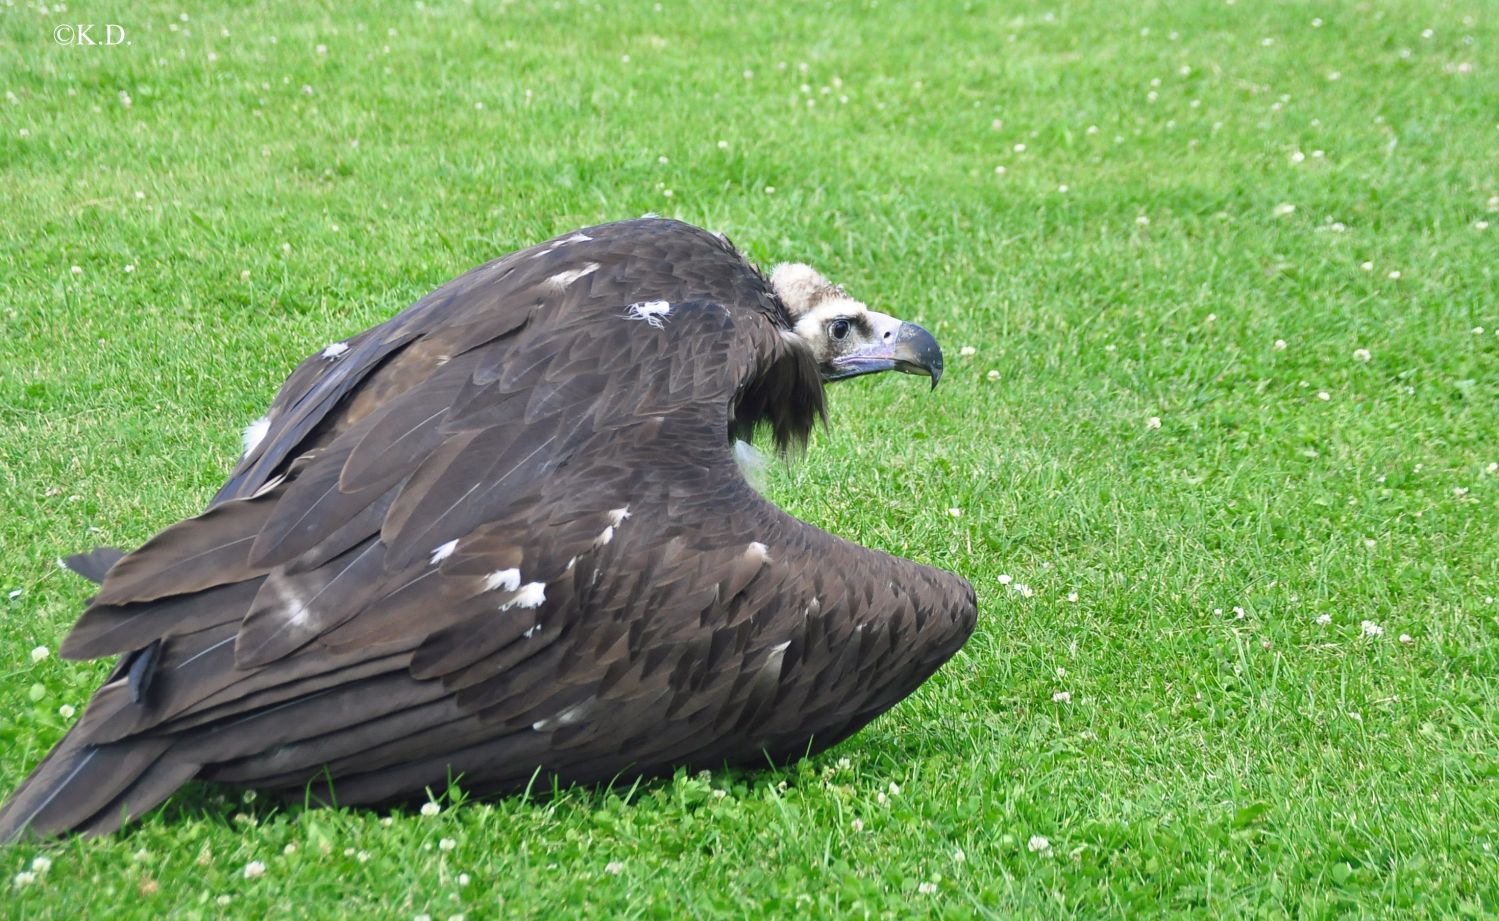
(87, 788)
(95, 564)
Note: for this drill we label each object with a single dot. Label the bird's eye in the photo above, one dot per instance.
(838, 328)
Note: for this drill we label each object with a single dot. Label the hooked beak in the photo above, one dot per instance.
(911, 350)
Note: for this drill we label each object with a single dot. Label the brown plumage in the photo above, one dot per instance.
(503, 533)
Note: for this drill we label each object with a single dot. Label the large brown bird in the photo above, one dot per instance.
(504, 534)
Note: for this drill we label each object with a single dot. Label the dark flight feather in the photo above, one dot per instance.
(502, 536)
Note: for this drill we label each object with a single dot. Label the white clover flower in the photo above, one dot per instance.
(1062, 697)
(967, 351)
(1323, 395)
(40, 653)
(254, 869)
(1038, 843)
(77, 270)
(955, 512)
(1324, 619)
(1284, 209)
(430, 809)
(1025, 591)
(24, 878)
(464, 879)
(614, 868)
(958, 856)
(1238, 613)
(1005, 578)
(289, 850)
(1367, 266)
(447, 844)
(1362, 355)
(857, 825)
(1394, 275)
(894, 788)
(41, 865)
(1406, 639)
(992, 375)
(1370, 628)
(1072, 597)
(927, 888)
(1154, 422)
(1279, 345)
(1142, 220)
(224, 900)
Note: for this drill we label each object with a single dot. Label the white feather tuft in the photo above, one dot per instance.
(530, 595)
(751, 463)
(652, 312)
(507, 579)
(255, 433)
(443, 551)
(335, 350)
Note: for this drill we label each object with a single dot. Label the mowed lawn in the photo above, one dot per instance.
(1220, 450)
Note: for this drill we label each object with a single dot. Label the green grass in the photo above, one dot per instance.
(272, 198)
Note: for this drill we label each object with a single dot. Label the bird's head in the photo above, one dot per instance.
(846, 337)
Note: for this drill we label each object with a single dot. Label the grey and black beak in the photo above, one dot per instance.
(908, 348)
(917, 352)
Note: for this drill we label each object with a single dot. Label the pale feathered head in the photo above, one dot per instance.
(845, 336)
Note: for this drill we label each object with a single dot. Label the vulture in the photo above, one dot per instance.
(504, 536)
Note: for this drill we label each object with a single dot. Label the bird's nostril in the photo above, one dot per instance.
(888, 334)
